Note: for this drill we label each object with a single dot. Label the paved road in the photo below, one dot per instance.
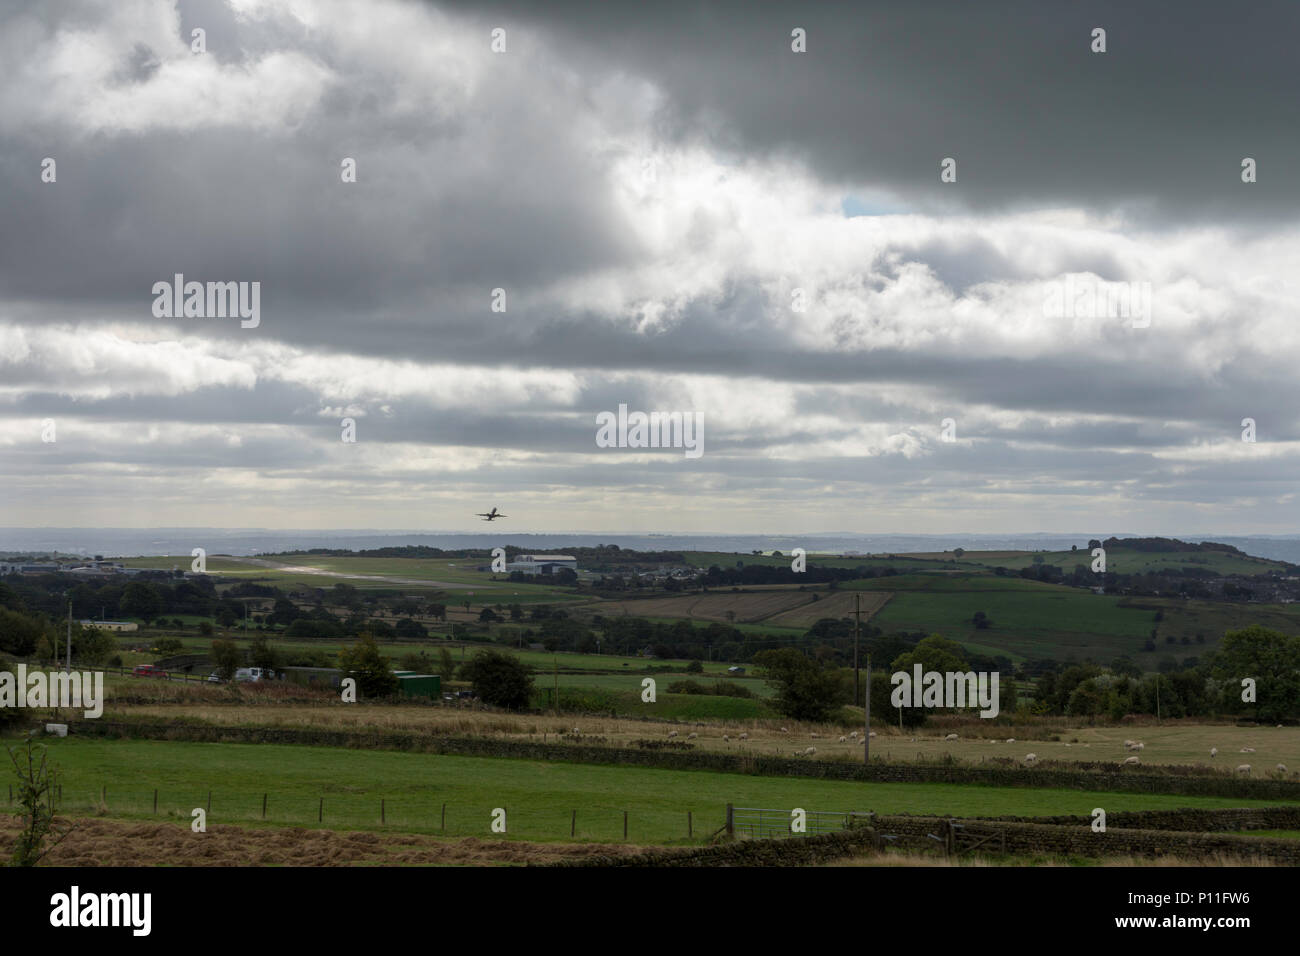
(322, 572)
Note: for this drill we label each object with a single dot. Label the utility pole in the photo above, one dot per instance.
(68, 662)
(857, 616)
(866, 729)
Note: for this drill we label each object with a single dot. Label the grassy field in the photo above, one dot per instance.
(538, 797)
(1123, 560)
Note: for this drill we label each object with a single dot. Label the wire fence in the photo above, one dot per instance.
(365, 811)
(765, 822)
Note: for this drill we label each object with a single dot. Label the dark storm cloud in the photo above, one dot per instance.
(1159, 123)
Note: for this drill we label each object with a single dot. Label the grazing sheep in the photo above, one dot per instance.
(854, 734)
(1128, 743)
(843, 739)
(744, 736)
(1281, 768)
(691, 736)
(1244, 768)
(872, 734)
(671, 734)
(951, 737)
(1248, 750)
(785, 730)
(1134, 745)
(1031, 758)
(1067, 745)
(810, 751)
(576, 730)
(1130, 760)
(1011, 740)
(812, 736)
(1214, 752)
(725, 737)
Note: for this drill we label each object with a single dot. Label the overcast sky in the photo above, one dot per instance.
(655, 186)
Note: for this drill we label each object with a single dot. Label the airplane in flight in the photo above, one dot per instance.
(491, 514)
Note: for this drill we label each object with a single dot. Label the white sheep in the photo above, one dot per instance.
(1128, 743)
(726, 738)
(843, 739)
(810, 751)
(1281, 768)
(1011, 740)
(951, 737)
(691, 736)
(854, 734)
(1134, 745)
(812, 736)
(672, 734)
(1130, 760)
(785, 730)
(872, 734)
(576, 730)
(1031, 758)
(744, 736)
(1214, 752)
(1248, 750)
(1244, 768)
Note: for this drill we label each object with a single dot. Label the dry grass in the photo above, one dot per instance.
(122, 843)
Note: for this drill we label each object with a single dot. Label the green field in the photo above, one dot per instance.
(537, 796)
(1127, 560)
(1030, 619)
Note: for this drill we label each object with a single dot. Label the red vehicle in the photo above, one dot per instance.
(149, 670)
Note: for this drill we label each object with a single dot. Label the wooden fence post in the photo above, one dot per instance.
(444, 818)
(690, 831)
(263, 806)
(573, 823)
(320, 811)
(209, 801)
(381, 810)
(155, 801)
(624, 824)
(731, 821)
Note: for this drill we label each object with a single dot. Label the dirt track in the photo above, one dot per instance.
(97, 842)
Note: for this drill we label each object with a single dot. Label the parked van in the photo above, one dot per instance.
(248, 675)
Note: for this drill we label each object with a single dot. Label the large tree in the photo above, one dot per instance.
(502, 680)
(226, 655)
(805, 689)
(141, 600)
(1272, 659)
(363, 662)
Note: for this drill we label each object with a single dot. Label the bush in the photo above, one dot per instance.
(499, 679)
(694, 667)
(364, 664)
(36, 792)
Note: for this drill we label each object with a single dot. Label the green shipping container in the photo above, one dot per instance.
(420, 685)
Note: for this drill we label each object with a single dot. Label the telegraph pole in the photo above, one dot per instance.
(857, 617)
(866, 729)
(67, 665)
